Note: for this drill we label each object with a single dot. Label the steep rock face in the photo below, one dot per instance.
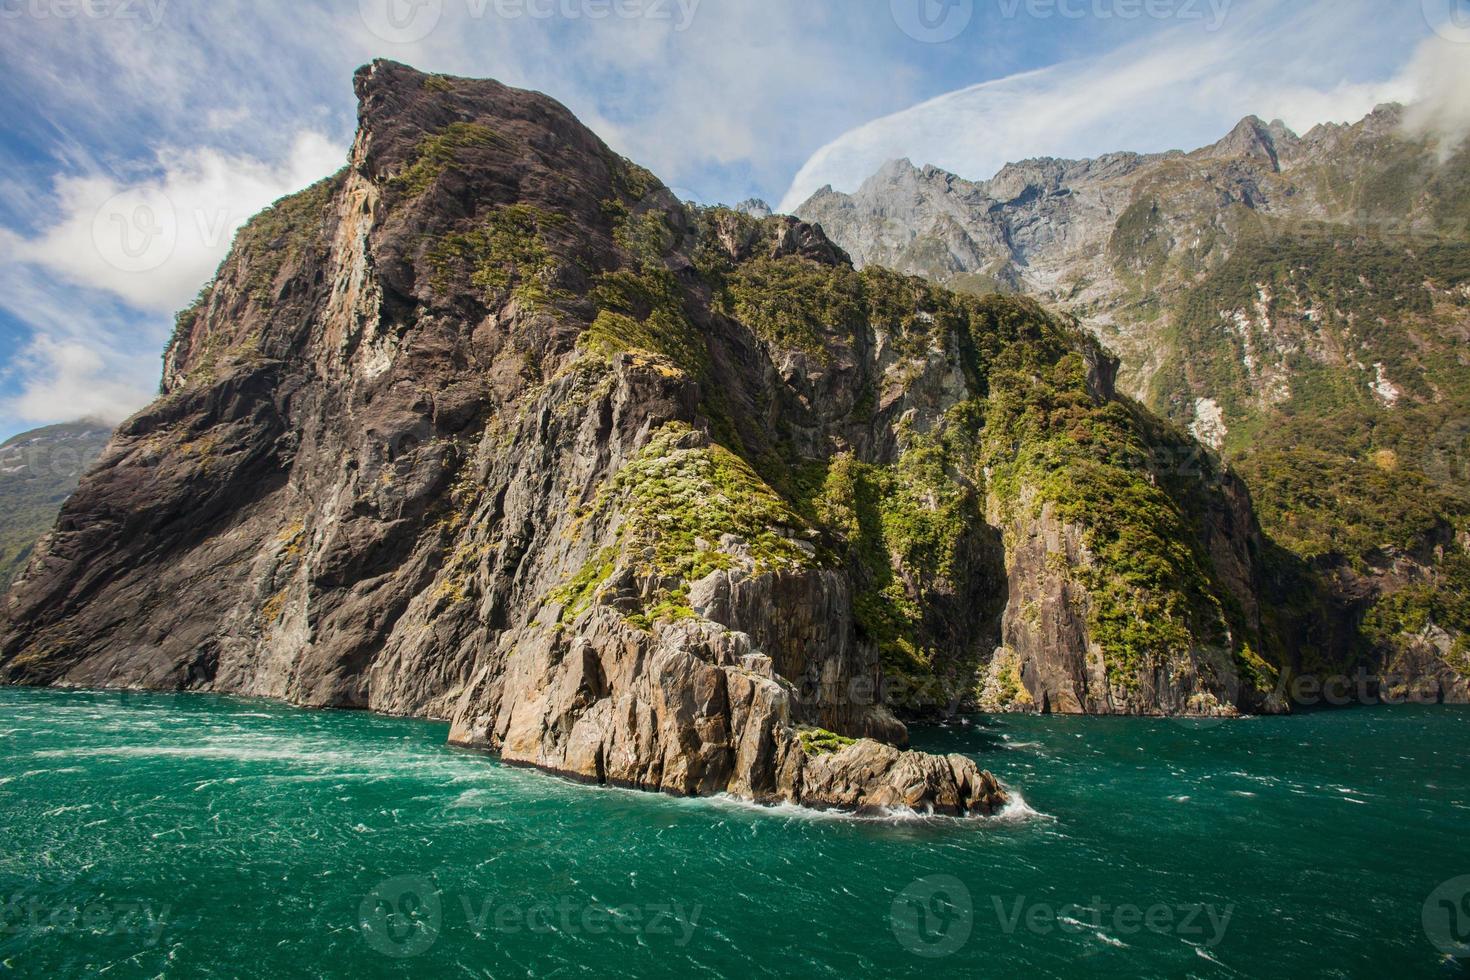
(490, 428)
(1298, 303)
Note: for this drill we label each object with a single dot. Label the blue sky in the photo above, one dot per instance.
(199, 112)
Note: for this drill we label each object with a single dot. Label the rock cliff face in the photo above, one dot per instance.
(489, 427)
(1300, 304)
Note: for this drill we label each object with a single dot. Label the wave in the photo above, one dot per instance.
(1019, 811)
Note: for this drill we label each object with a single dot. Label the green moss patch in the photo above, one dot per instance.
(439, 151)
(819, 741)
(504, 257)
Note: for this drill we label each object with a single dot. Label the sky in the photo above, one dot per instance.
(138, 135)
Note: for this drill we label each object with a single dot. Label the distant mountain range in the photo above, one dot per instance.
(38, 471)
(1300, 303)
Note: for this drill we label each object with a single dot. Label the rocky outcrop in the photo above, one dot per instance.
(439, 440)
(692, 709)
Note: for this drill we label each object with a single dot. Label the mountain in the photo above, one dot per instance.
(1301, 304)
(38, 470)
(489, 427)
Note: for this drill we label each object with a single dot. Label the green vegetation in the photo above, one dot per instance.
(1367, 296)
(794, 303)
(1139, 239)
(505, 257)
(819, 741)
(681, 501)
(280, 235)
(1443, 602)
(907, 532)
(800, 304)
(577, 595)
(440, 151)
(1320, 504)
(678, 498)
(1049, 441)
(643, 311)
(1340, 478)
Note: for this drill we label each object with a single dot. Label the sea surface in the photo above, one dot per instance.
(177, 835)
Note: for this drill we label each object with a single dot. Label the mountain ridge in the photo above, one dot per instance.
(38, 470)
(1281, 296)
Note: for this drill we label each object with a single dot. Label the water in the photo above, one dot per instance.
(157, 834)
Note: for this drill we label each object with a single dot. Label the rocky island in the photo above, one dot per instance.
(489, 427)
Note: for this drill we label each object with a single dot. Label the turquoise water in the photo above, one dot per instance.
(156, 834)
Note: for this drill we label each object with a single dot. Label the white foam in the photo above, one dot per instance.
(1019, 811)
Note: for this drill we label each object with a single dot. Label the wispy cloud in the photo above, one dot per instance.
(85, 352)
(96, 286)
(1176, 90)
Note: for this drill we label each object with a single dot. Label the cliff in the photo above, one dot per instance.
(1299, 303)
(489, 427)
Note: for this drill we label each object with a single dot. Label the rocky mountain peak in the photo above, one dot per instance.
(755, 207)
(1253, 139)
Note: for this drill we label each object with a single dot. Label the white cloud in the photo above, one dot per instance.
(87, 354)
(67, 379)
(97, 286)
(1177, 90)
(1440, 74)
(153, 242)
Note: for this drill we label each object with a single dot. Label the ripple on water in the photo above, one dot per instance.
(252, 821)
